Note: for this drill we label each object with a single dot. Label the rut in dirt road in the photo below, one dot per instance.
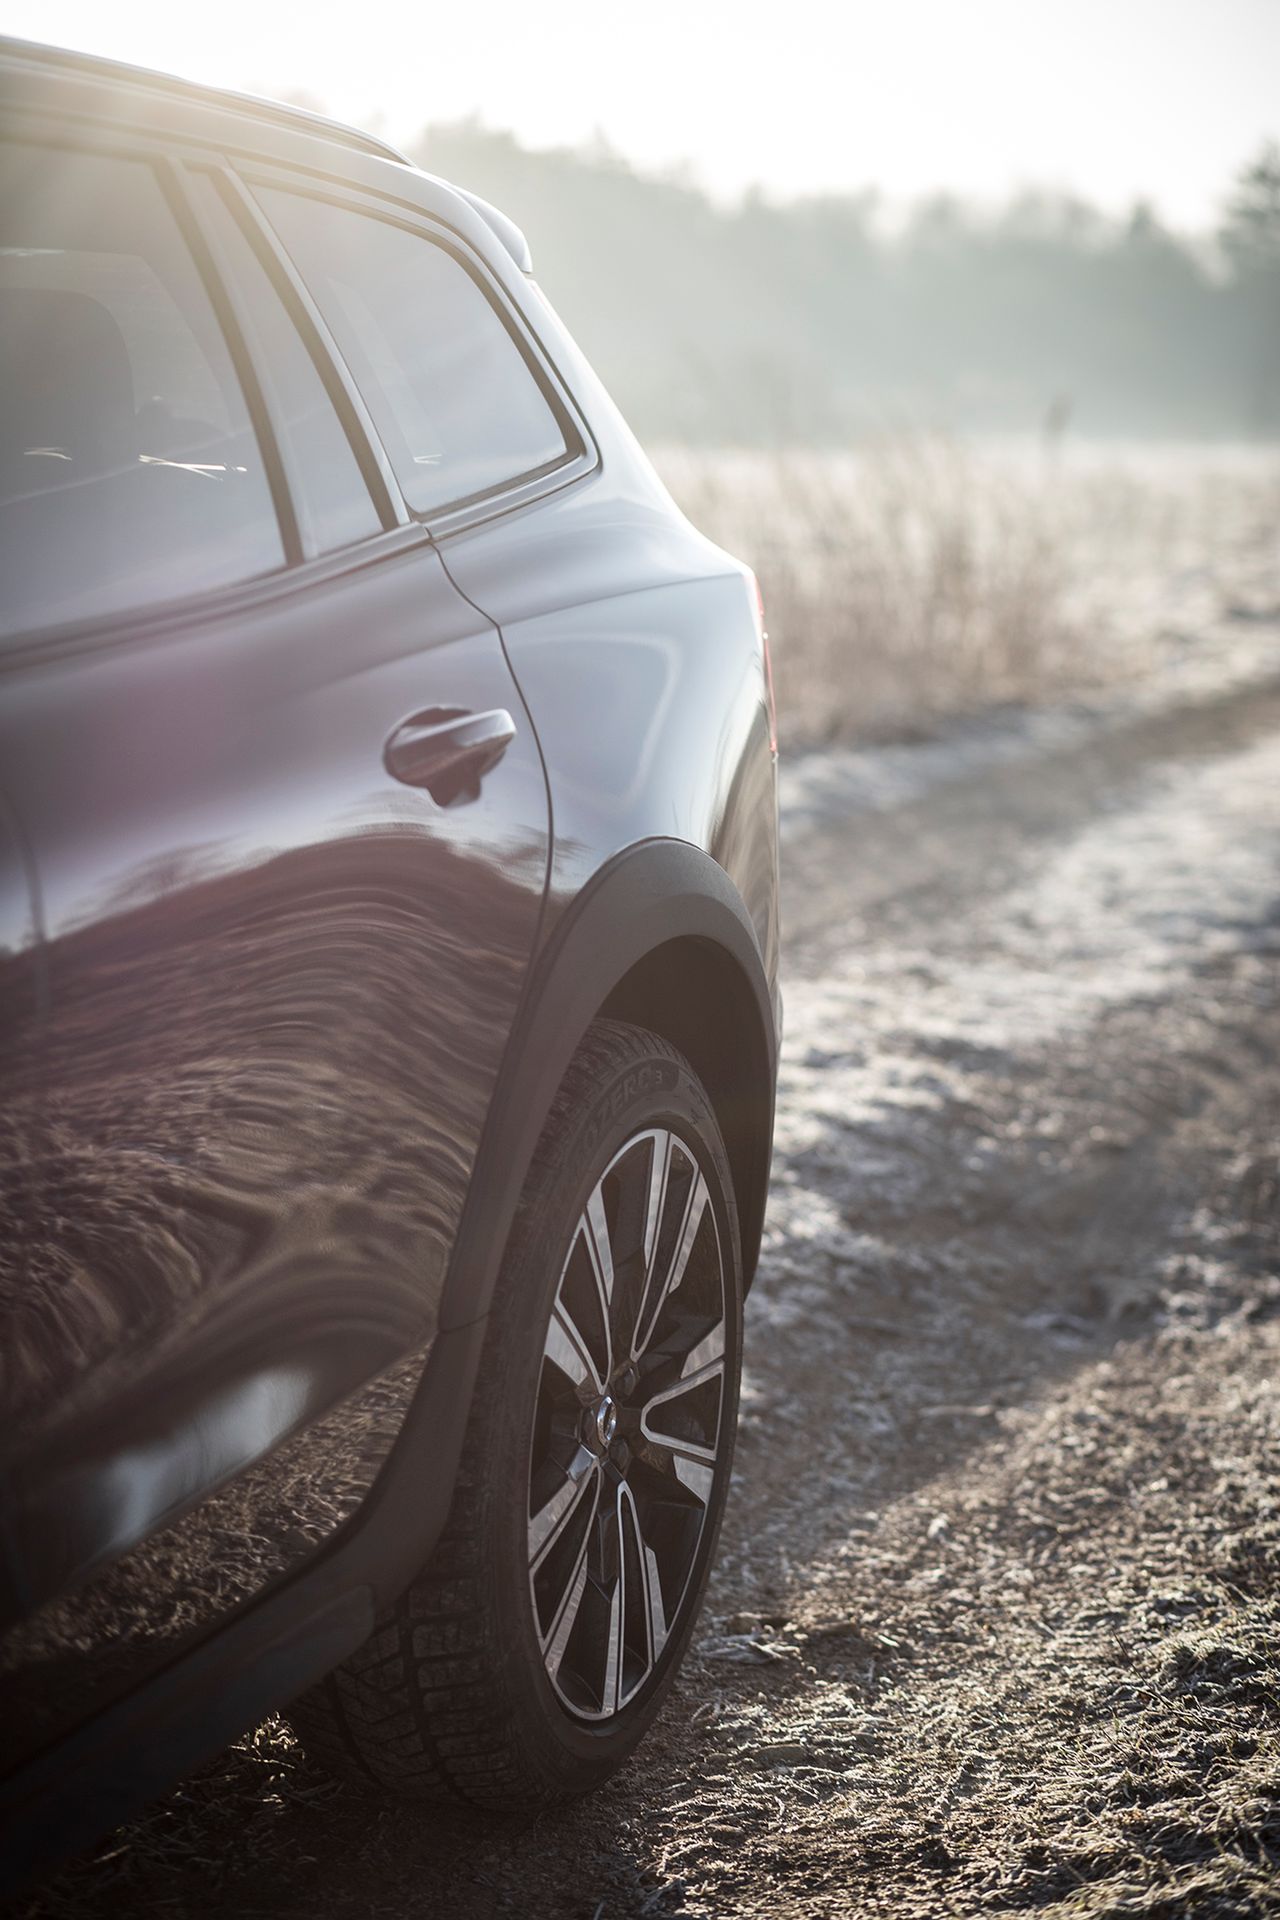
(996, 1618)
(1016, 1123)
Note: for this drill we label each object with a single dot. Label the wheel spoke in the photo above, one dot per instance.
(695, 1475)
(704, 1362)
(680, 1443)
(659, 1167)
(549, 1522)
(655, 1616)
(706, 1358)
(566, 1346)
(566, 1615)
(611, 1685)
(692, 1221)
(600, 1252)
(660, 1287)
(692, 1461)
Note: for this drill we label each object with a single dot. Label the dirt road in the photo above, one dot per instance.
(997, 1619)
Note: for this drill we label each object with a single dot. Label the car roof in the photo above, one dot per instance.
(32, 57)
(32, 53)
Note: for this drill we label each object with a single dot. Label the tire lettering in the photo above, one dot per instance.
(637, 1081)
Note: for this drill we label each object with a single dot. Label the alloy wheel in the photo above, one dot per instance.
(628, 1425)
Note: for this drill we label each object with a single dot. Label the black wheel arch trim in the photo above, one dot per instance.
(656, 892)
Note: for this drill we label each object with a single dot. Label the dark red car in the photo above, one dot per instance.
(388, 950)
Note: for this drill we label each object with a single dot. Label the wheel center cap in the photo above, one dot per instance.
(606, 1422)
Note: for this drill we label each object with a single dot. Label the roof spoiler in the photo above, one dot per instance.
(511, 236)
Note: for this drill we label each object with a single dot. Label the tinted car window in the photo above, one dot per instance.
(330, 495)
(456, 402)
(128, 469)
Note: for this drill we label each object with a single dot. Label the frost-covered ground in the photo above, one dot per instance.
(829, 785)
(996, 1624)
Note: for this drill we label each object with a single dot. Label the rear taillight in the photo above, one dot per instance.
(768, 664)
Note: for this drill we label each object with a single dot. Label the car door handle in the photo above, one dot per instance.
(448, 750)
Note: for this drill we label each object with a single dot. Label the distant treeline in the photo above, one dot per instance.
(811, 322)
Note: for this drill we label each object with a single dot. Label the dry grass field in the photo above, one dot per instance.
(923, 578)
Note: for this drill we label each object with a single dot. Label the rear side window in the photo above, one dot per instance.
(456, 403)
(330, 497)
(129, 471)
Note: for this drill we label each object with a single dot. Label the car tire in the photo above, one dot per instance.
(527, 1660)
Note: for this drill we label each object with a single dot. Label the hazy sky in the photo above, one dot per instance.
(1111, 99)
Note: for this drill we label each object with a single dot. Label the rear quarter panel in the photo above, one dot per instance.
(635, 643)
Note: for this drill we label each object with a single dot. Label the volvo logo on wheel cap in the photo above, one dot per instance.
(606, 1422)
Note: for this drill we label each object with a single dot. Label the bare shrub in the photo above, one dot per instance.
(920, 578)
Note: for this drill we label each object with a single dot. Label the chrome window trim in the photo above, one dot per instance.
(581, 457)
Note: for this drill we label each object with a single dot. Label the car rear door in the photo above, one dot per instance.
(290, 829)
